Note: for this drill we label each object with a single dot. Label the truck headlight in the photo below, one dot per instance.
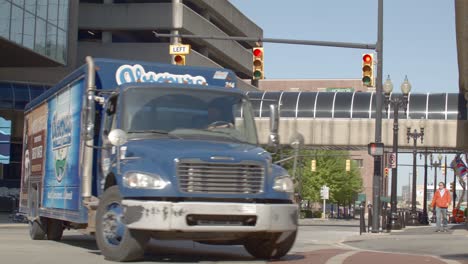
(143, 180)
(283, 184)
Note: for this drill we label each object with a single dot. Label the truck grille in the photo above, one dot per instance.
(226, 178)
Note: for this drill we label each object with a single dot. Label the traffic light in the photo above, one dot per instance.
(348, 165)
(179, 59)
(257, 59)
(386, 172)
(313, 165)
(452, 187)
(368, 70)
(443, 169)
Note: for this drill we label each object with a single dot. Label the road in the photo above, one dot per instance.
(318, 242)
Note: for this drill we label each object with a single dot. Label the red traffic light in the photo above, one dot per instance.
(178, 59)
(367, 58)
(257, 52)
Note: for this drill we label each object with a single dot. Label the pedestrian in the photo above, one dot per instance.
(441, 201)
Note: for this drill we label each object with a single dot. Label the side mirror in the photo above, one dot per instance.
(117, 137)
(274, 123)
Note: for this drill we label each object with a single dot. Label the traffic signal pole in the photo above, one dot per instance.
(275, 40)
(176, 24)
(378, 122)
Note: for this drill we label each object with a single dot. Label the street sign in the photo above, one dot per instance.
(392, 160)
(179, 49)
(361, 197)
(385, 199)
(325, 192)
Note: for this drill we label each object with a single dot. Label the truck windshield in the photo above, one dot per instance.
(183, 113)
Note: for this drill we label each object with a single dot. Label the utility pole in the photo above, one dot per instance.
(176, 23)
(378, 122)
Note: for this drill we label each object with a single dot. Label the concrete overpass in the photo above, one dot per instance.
(340, 120)
(461, 24)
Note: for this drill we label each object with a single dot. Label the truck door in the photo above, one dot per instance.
(109, 123)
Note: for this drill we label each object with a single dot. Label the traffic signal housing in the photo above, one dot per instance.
(348, 165)
(258, 66)
(368, 69)
(386, 172)
(179, 59)
(452, 187)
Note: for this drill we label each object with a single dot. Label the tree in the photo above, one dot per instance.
(330, 171)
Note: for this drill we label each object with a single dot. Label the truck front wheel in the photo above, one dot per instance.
(114, 239)
(274, 246)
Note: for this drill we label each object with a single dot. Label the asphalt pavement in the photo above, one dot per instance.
(319, 241)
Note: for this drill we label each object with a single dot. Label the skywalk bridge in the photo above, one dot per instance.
(341, 120)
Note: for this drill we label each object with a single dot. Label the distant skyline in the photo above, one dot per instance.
(419, 41)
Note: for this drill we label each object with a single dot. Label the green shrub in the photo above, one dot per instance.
(317, 214)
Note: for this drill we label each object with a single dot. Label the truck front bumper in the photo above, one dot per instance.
(210, 217)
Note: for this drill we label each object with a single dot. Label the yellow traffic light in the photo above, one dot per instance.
(179, 59)
(313, 165)
(348, 165)
(443, 169)
(257, 60)
(368, 70)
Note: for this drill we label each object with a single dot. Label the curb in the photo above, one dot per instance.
(15, 226)
(345, 246)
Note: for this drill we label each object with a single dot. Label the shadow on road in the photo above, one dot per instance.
(177, 251)
(81, 241)
(456, 256)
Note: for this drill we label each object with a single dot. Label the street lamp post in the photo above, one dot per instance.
(425, 218)
(396, 103)
(414, 135)
(436, 165)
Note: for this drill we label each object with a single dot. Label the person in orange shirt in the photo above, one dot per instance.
(441, 201)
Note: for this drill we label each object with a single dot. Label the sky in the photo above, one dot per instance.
(419, 41)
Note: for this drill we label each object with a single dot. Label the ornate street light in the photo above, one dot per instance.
(414, 135)
(396, 102)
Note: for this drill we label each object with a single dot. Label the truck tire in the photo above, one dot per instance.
(54, 229)
(37, 229)
(114, 239)
(274, 247)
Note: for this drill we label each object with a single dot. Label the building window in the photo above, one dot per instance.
(358, 163)
(28, 35)
(16, 24)
(51, 41)
(89, 35)
(5, 10)
(138, 36)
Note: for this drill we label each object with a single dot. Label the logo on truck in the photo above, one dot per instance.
(61, 134)
(136, 73)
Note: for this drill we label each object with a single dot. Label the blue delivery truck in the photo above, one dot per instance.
(129, 151)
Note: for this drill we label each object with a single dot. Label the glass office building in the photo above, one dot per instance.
(13, 99)
(38, 25)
